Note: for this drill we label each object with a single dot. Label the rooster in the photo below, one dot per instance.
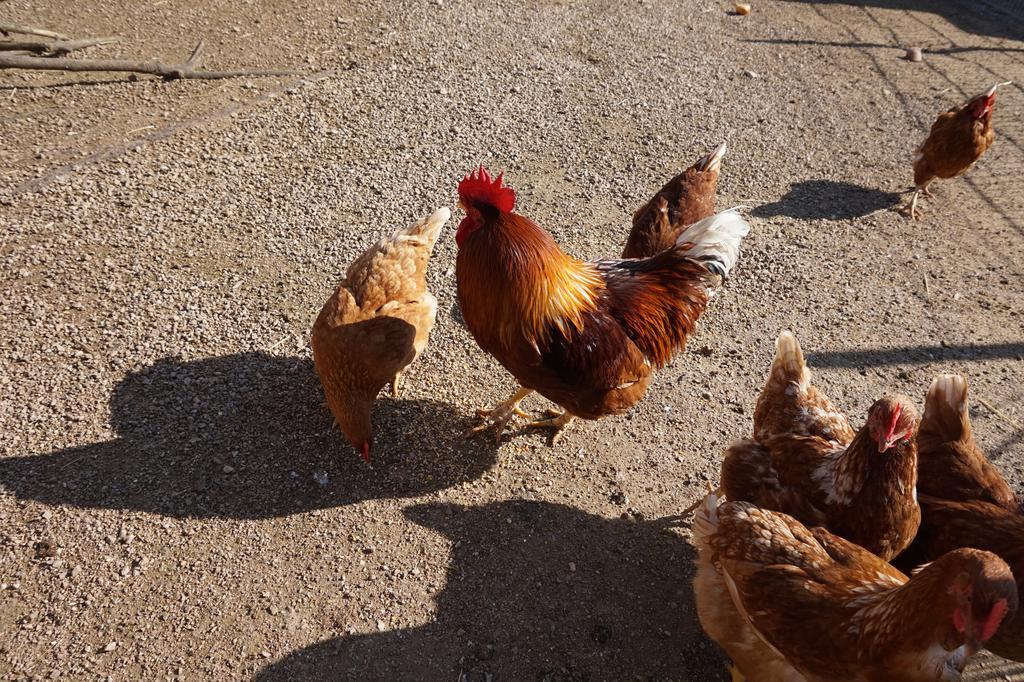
(788, 603)
(374, 325)
(951, 466)
(806, 460)
(585, 335)
(957, 140)
(685, 199)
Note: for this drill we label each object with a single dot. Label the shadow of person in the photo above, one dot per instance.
(241, 436)
(536, 591)
(828, 200)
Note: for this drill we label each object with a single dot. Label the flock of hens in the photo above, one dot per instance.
(810, 512)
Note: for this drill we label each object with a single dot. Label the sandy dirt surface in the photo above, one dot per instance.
(174, 502)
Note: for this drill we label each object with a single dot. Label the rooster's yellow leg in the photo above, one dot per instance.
(497, 419)
(557, 421)
(737, 676)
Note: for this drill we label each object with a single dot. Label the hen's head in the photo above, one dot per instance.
(483, 198)
(984, 593)
(892, 422)
(980, 108)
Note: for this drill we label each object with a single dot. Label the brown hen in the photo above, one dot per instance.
(950, 464)
(956, 141)
(685, 199)
(374, 325)
(947, 525)
(790, 604)
(806, 461)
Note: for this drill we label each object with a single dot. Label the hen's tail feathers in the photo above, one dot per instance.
(712, 161)
(946, 389)
(705, 521)
(426, 230)
(715, 241)
(789, 364)
(945, 408)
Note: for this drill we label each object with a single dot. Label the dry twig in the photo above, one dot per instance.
(53, 49)
(154, 68)
(29, 31)
(999, 413)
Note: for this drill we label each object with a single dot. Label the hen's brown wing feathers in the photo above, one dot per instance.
(953, 145)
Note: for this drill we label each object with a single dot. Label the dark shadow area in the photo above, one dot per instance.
(242, 436)
(827, 200)
(537, 591)
(861, 45)
(993, 19)
(915, 355)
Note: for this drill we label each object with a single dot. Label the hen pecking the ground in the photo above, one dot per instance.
(374, 325)
(789, 603)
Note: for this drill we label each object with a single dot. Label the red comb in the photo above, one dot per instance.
(479, 188)
(995, 617)
(893, 419)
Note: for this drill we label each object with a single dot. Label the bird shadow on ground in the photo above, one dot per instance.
(246, 436)
(828, 200)
(536, 591)
(988, 19)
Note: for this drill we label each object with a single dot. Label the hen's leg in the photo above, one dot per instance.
(497, 419)
(923, 189)
(557, 421)
(737, 676)
(395, 384)
(914, 214)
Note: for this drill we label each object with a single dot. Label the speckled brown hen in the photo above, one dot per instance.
(956, 141)
(374, 325)
(806, 461)
(948, 525)
(792, 604)
(685, 199)
(950, 464)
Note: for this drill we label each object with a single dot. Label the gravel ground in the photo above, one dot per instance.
(175, 504)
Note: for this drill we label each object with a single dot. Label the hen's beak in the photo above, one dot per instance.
(971, 647)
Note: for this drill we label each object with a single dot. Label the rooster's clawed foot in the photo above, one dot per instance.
(557, 421)
(497, 419)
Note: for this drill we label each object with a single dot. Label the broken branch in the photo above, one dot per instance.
(154, 68)
(29, 31)
(53, 49)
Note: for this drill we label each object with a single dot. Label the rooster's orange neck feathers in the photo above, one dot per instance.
(514, 281)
